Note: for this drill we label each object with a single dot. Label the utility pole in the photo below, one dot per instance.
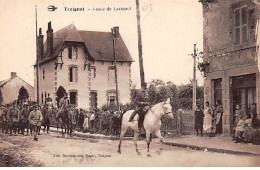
(143, 84)
(113, 30)
(37, 60)
(194, 80)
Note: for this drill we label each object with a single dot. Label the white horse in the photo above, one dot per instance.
(152, 123)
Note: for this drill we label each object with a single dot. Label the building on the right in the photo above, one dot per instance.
(231, 50)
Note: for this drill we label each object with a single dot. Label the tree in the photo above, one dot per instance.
(173, 94)
(23, 94)
(61, 92)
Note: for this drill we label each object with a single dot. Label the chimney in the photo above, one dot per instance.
(40, 44)
(115, 31)
(49, 40)
(13, 75)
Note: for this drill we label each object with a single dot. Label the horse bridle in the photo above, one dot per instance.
(164, 108)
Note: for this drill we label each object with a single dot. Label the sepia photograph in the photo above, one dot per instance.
(130, 83)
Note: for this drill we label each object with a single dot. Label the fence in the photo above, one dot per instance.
(182, 124)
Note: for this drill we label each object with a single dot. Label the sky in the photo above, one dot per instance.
(169, 30)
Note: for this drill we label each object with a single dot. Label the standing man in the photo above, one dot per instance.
(35, 119)
(14, 117)
(47, 114)
(24, 118)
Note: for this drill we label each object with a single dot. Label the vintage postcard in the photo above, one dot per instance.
(129, 83)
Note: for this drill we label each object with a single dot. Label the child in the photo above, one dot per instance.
(240, 128)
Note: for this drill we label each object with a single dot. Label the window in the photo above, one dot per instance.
(111, 75)
(73, 97)
(111, 99)
(70, 52)
(73, 74)
(93, 99)
(43, 74)
(42, 98)
(240, 26)
(93, 72)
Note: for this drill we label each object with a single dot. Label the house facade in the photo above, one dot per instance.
(82, 62)
(231, 50)
(10, 89)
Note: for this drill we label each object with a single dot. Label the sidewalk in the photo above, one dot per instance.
(213, 144)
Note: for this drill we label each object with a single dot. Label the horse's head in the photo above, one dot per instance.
(167, 108)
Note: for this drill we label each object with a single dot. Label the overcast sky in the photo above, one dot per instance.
(169, 30)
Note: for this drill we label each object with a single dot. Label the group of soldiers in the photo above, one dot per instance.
(20, 119)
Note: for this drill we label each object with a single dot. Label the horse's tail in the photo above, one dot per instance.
(125, 120)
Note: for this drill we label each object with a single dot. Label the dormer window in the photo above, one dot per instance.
(72, 53)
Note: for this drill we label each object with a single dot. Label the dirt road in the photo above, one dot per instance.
(52, 150)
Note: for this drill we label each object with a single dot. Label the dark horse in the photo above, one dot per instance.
(63, 115)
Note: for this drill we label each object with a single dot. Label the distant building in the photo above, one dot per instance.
(10, 89)
(82, 62)
(231, 52)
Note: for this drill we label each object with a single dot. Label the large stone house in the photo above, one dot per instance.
(230, 31)
(10, 89)
(82, 62)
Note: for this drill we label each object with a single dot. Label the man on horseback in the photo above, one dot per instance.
(142, 107)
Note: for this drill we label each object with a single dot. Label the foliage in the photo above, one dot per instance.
(23, 94)
(158, 90)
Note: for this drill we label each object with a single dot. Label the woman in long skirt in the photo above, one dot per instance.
(207, 123)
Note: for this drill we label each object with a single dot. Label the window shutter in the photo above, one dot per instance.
(244, 24)
(237, 18)
(237, 36)
(237, 27)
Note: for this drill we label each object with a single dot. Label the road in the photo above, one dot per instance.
(52, 150)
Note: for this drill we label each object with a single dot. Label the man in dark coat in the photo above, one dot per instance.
(47, 114)
(24, 118)
(198, 120)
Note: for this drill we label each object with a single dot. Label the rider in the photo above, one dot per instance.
(142, 108)
(63, 101)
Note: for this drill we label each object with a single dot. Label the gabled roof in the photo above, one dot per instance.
(4, 82)
(98, 44)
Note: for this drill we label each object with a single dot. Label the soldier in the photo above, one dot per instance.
(72, 119)
(35, 119)
(13, 117)
(142, 108)
(24, 118)
(1, 118)
(47, 116)
(63, 102)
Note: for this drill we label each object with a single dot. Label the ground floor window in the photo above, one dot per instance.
(111, 99)
(93, 99)
(73, 97)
